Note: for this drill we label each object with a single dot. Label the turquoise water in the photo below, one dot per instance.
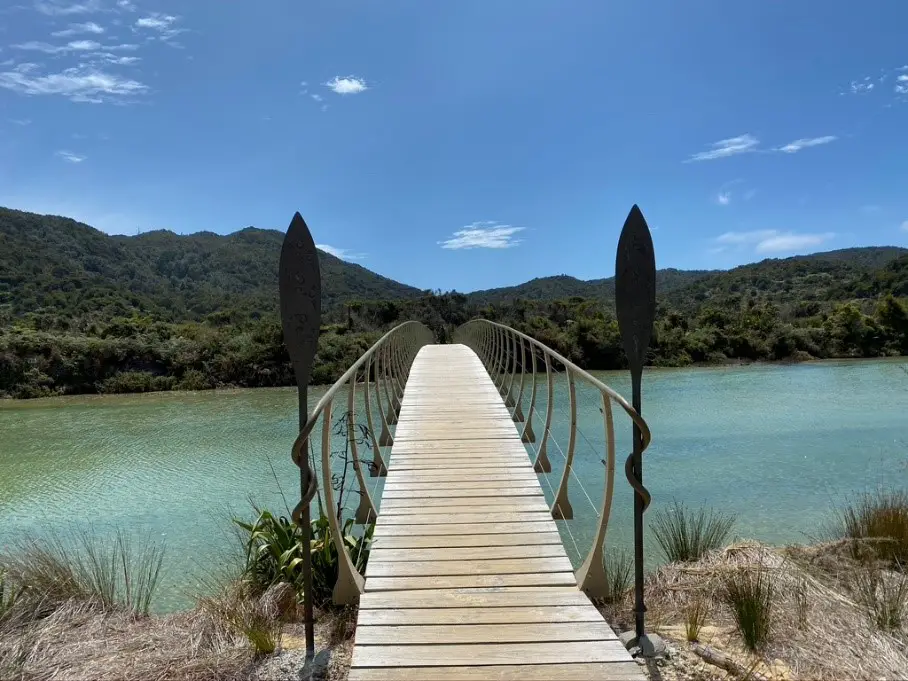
(777, 445)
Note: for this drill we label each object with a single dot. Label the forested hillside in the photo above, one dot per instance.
(81, 311)
(64, 269)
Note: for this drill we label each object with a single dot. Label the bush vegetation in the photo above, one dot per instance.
(83, 312)
(878, 522)
(685, 536)
(749, 594)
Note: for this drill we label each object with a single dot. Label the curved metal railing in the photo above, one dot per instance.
(383, 370)
(503, 351)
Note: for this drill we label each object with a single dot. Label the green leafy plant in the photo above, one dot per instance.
(274, 552)
(749, 594)
(686, 536)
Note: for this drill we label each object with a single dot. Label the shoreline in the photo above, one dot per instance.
(725, 364)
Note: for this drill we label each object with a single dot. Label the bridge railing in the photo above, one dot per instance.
(513, 359)
(380, 373)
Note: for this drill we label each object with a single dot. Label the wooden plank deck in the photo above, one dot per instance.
(468, 578)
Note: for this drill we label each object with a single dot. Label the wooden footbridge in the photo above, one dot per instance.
(467, 576)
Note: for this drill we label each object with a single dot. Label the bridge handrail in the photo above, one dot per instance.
(393, 355)
(496, 345)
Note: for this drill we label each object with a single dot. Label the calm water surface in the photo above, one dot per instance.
(777, 445)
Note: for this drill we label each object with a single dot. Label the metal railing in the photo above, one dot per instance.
(511, 359)
(381, 372)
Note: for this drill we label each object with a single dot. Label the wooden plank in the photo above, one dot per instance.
(466, 519)
(427, 568)
(450, 476)
(458, 500)
(504, 505)
(471, 598)
(487, 654)
(480, 615)
(383, 555)
(559, 579)
(483, 633)
(389, 541)
(590, 671)
(464, 485)
(486, 492)
(494, 527)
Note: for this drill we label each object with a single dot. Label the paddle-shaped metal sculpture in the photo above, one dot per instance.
(635, 301)
(300, 290)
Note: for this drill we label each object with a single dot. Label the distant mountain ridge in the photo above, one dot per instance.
(59, 265)
(49, 262)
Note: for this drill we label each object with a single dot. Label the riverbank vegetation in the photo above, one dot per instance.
(84, 312)
(831, 610)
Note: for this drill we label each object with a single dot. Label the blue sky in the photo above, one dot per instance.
(466, 144)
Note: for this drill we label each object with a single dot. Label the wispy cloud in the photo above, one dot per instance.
(21, 121)
(860, 87)
(728, 147)
(905, 225)
(47, 48)
(156, 21)
(79, 84)
(55, 8)
(484, 234)
(317, 97)
(70, 157)
(731, 191)
(126, 5)
(163, 25)
(804, 143)
(769, 241)
(342, 253)
(77, 29)
(351, 85)
(901, 84)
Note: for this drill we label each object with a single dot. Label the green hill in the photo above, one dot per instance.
(56, 266)
(82, 311)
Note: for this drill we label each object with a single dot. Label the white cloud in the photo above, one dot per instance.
(861, 87)
(351, 85)
(724, 198)
(728, 147)
(342, 253)
(79, 84)
(901, 84)
(156, 21)
(804, 143)
(75, 29)
(21, 121)
(905, 225)
(769, 241)
(126, 5)
(317, 98)
(70, 157)
(47, 48)
(485, 234)
(56, 8)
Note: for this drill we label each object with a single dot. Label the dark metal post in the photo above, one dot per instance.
(635, 302)
(300, 294)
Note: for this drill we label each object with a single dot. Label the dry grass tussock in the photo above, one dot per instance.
(79, 610)
(821, 626)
